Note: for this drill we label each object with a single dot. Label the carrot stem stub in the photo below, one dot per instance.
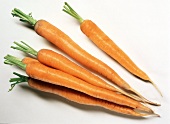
(25, 48)
(14, 61)
(69, 10)
(24, 17)
(20, 79)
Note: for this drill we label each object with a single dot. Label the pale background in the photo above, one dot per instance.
(140, 27)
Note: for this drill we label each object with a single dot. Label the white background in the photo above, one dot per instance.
(140, 27)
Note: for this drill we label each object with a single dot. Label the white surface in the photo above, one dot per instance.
(140, 28)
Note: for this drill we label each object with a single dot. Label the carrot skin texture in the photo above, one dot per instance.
(41, 72)
(27, 60)
(95, 34)
(60, 62)
(65, 43)
(57, 61)
(79, 97)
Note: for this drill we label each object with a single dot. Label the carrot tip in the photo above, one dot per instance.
(157, 115)
(153, 103)
(153, 114)
(147, 114)
(138, 94)
(156, 87)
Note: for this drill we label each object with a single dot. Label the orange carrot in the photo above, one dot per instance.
(96, 35)
(58, 61)
(73, 95)
(27, 60)
(65, 43)
(41, 72)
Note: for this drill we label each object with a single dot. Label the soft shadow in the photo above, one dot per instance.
(26, 25)
(53, 97)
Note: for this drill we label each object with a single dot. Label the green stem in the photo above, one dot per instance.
(14, 61)
(8, 62)
(25, 48)
(24, 17)
(69, 10)
(20, 79)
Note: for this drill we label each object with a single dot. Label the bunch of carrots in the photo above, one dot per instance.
(52, 72)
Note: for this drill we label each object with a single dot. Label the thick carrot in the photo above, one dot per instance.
(41, 72)
(73, 95)
(65, 43)
(96, 35)
(58, 61)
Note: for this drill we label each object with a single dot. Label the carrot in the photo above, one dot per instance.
(65, 43)
(58, 61)
(96, 35)
(41, 72)
(73, 95)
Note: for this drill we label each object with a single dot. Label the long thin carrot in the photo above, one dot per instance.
(41, 72)
(65, 43)
(73, 95)
(58, 61)
(96, 35)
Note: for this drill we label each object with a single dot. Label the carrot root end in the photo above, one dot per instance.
(156, 87)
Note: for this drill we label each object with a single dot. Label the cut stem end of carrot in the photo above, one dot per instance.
(24, 17)
(20, 79)
(69, 10)
(11, 60)
(25, 48)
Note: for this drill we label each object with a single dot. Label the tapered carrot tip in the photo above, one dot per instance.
(144, 100)
(154, 114)
(156, 87)
(150, 114)
(153, 103)
(157, 115)
(134, 91)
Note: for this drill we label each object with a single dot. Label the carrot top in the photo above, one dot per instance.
(11, 60)
(24, 17)
(69, 10)
(20, 79)
(25, 48)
